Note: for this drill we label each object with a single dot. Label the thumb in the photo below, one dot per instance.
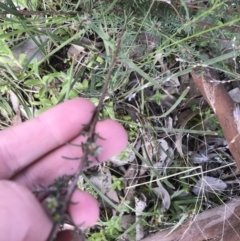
(22, 216)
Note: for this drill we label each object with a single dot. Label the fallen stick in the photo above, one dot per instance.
(228, 114)
(219, 224)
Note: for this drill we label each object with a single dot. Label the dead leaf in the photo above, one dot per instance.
(129, 180)
(16, 119)
(15, 104)
(30, 48)
(140, 205)
(102, 180)
(209, 186)
(235, 95)
(163, 195)
(125, 157)
(14, 101)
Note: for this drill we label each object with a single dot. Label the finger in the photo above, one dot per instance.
(22, 216)
(22, 144)
(113, 140)
(84, 212)
(84, 209)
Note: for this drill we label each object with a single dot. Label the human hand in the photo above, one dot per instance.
(31, 155)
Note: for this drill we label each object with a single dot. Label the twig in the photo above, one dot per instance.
(220, 223)
(88, 151)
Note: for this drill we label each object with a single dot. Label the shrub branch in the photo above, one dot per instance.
(89, 147)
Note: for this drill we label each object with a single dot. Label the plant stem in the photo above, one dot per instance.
(90, 130)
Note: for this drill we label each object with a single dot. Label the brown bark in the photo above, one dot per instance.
(219, 224)
(223, 106)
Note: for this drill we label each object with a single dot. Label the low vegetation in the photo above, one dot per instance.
(177, 163)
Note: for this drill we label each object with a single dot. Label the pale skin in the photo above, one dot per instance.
(31, 154)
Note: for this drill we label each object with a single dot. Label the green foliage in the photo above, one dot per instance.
(117, 183)
(194, 36)
(157, 97)
(100, 236)
(113, 227)
(131, 127)
(29, 5)
(111, 231)
(5, 108)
